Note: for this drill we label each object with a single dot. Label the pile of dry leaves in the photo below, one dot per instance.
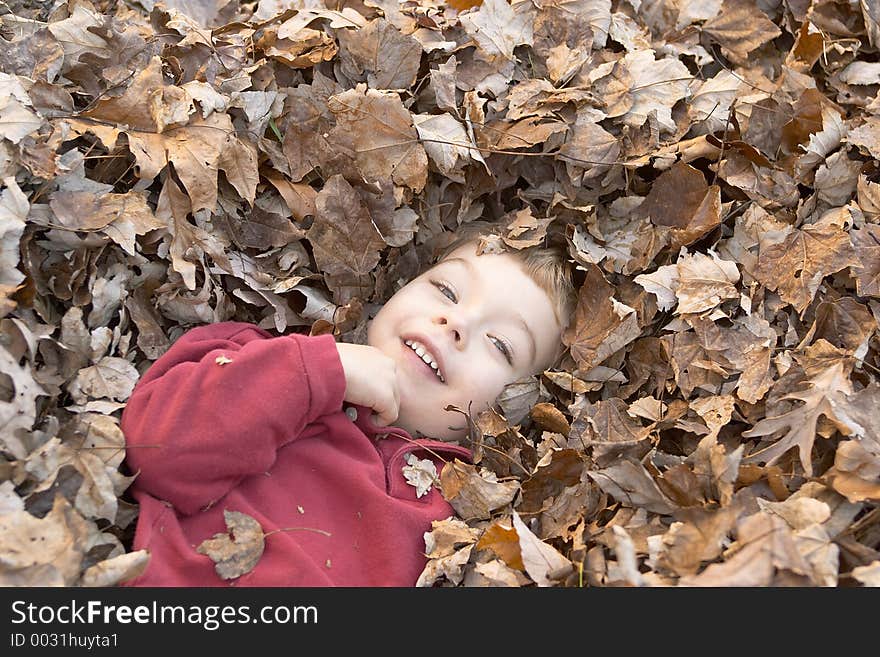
(709, 165)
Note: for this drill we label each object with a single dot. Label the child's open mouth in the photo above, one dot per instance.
(423, 361)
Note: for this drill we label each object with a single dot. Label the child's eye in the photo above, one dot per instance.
(444, 289)
(503, 348)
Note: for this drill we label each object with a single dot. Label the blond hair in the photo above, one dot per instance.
(545, 264)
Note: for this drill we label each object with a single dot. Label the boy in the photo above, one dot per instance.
(310, 437)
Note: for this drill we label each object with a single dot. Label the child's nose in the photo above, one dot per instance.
(454, 327)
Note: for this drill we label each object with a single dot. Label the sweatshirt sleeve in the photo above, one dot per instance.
(219, 403)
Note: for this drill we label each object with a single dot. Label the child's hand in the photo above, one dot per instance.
(370, 380)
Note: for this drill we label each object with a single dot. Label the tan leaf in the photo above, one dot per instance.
(523, 229)
(14, 208)
(796, 266)
(74, 35)
(497, 573)
(845, 323)
(543, 563)
(298, 197)
(705, 282)
(109, 378)
(16, 119)
(115, 570)
(161, 130)
(474, 494)
(446, 536)
(630, 483)
(646, 85)
(381, 54)
(94, 490)
(449, 567)
(697, 537)
(517, 398)
(868, 575)
(799, 512)
(555, 472)
(110, 213)
(589, 150)
(549, 417)
(866, 242)
(741, 27)
(374, 126)
(345, 241)
(44, 551)
(602, 325)
(836, 179)
(681, 199)
(497, 28)
(710, 104)
(447, 143)
(237, 551)
(856, 470)
(187, 240)
(626, 569)
(867, 135)
(763, 553)
(525, 133)
(260, 229)
(238, 160)
(421, 474)
(18, 414)
(827, 394)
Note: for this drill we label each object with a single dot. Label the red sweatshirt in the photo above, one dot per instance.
(231, 418)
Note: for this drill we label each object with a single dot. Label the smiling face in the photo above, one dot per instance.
(482, 320)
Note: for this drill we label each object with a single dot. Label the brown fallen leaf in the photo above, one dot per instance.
(764, 554)
(474, 493)
(601, 325)
(543, 563)
(237, 551)
(44, 551)
(827, 395)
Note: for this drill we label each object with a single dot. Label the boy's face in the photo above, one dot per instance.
(472, 313)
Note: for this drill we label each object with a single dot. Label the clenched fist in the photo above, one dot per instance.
(370, 380)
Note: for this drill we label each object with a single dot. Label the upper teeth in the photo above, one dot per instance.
(425, 355)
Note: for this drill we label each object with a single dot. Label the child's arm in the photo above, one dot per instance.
(220, 402)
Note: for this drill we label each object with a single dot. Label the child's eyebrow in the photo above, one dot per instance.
(516, 316)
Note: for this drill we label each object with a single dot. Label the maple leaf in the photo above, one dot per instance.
(641, 85)
(381, 54)
(796, 265)
(497, 27)
(238, 550)
(741, 27)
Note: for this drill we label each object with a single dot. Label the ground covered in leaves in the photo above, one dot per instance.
(708, 165)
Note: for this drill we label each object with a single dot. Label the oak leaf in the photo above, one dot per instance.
(827, 393)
